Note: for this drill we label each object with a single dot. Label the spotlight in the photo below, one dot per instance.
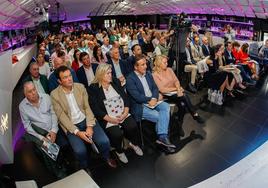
(37, 9)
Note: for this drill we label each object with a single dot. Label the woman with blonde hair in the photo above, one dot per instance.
(169, 86)
(111, 108)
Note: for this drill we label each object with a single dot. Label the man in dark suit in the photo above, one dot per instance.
(206, 49)
(86, 73)
(120, 68)
(40, 81)
(229, 57)
(53, 81)
(137, 51)
(146, 103)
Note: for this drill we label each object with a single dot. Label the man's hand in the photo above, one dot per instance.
(160, 98)
(89, 131)
(152, 102)
(83, 136)
(122, 79)
(52, 136)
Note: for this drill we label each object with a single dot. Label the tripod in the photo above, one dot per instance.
(177, 50)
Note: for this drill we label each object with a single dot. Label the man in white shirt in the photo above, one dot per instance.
(106, 46)
(86, 73)
(41, 125)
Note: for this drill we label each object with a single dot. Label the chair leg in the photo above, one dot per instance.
(141, 133)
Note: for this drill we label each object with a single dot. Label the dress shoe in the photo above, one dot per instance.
(198, 119)
(136, 149)
(122, 157)
(165, 142)
(111, 163)
(192, 88)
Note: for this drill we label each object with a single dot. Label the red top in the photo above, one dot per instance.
(235, 53)
(75, 65)
(242, 56)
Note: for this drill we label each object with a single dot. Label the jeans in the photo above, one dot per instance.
(79, 146)
(159, 115)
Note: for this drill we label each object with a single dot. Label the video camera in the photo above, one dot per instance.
(179, 21)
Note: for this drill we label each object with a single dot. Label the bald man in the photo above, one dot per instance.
(53, 81)
(206, 49)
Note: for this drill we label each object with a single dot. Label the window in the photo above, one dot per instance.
(109, 23)
(106, 23)
(113, 22)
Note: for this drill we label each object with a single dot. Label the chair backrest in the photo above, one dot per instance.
(265, 53)
(254, 49)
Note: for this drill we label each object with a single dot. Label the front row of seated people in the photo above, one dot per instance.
(83, 115)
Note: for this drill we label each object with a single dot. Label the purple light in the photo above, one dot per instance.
(19, 132)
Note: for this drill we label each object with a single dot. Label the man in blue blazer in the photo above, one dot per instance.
(120, 68)
(146, 102)
(86, 73)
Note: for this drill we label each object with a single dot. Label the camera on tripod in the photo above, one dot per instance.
(180, 21)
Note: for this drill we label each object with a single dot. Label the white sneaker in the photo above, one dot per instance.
(137, 149)
(122, 157)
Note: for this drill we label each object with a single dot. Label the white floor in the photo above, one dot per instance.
(250, 172)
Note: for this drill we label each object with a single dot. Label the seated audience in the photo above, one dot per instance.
(244, 59)
(230, 60)
(53, 81)
(44, 68)
(40, 81)
(42, 50)
(106, 46)
(216, 79)
(120, 68)
(86, 73)
(40, 122)
(162, 48)
(146, 103)
(190, 66)
(198, 55)
(167, 82)
(76, 63)
(70, 102)
(71, 52)
(263, 53)
(206, 49)
(104, 89)
(98, 56)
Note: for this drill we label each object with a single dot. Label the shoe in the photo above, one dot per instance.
(239, 91)
(198, 119)
(136, 149)
(231, 94)
(242, 86)
(122, 157)
(165, 142)
(251, 83)
(192, 88)
(111, 163)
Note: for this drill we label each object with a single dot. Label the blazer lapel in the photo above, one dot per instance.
(139, 84)
(63, 100)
